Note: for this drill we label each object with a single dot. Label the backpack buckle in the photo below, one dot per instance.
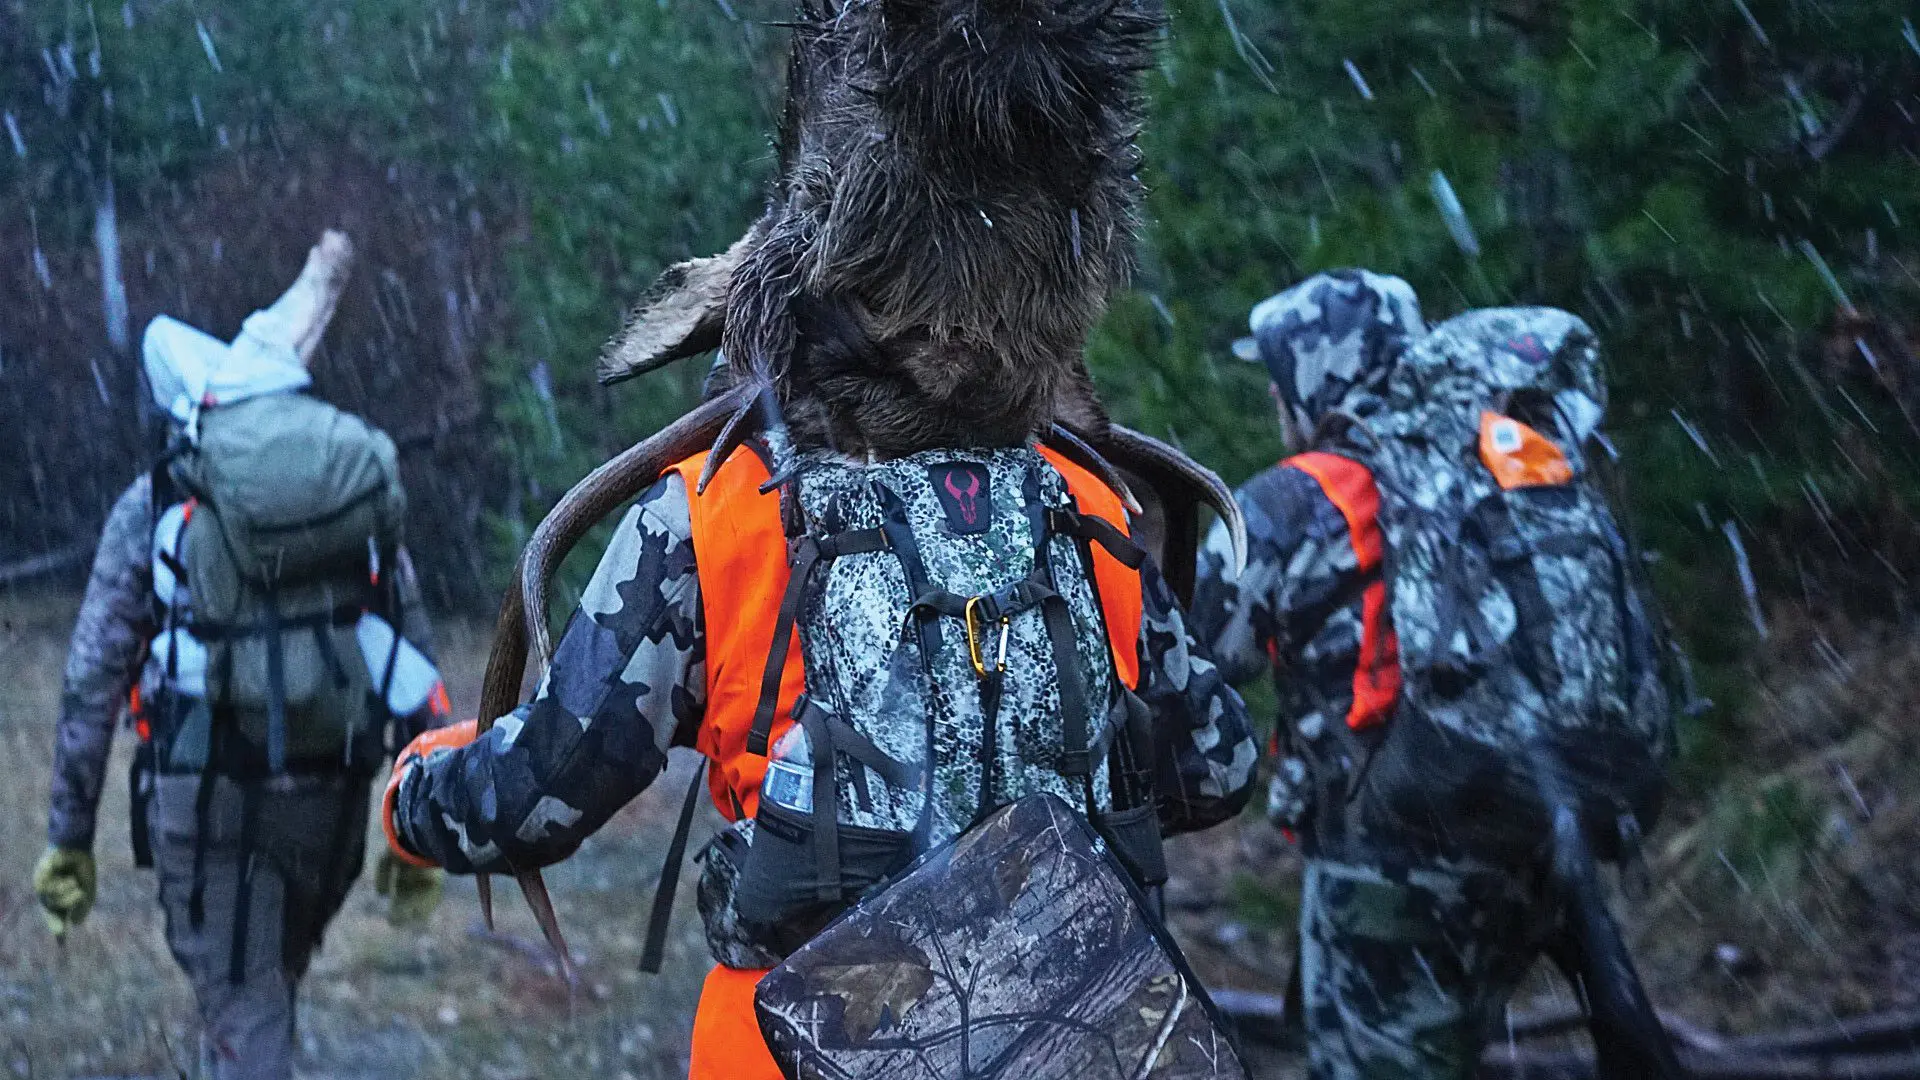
(975, 619)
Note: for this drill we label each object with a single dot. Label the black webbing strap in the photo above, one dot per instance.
(276, 687)
(1075, 717)
(243, 891)
(805, 554)
(655, 951)
(1021, 596)
(213, 632)
(1075, 712)
(140, 787)
(218, 724)
(826, 802)
(1099, 531)
(850, 741)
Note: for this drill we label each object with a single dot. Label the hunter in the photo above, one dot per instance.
(907, 533)
(251, 604)
(1422, 461)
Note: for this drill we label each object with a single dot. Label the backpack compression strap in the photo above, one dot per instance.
(1376, 675)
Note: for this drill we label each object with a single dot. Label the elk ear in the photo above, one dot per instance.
(683, 314)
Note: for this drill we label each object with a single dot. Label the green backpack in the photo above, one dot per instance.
(297, 507)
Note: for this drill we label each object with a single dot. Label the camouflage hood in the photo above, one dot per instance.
(1332, 336)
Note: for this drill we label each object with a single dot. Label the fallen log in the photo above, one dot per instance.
(47, 563)
(1505, 1063)
(1881, 1046)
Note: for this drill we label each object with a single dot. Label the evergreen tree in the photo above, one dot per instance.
(1725, 190)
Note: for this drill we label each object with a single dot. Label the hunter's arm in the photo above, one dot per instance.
(109, 641)
(1242, 618)
(627, 673)
(1204, 744)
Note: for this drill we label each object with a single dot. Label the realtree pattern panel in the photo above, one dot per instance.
(1016, 951)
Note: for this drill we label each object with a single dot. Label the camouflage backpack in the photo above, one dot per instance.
(956, 661)
(1531, 678)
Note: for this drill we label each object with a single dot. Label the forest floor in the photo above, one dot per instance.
(1783, 896)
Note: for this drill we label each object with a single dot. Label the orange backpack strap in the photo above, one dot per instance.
(1351, 489)
(1117, 584)
(740, 551)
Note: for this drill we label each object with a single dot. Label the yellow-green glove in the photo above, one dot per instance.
(66, 883)
(414, 891)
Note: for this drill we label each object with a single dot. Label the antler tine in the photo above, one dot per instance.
(1128, 444)
(1074, 446)
(523, 611)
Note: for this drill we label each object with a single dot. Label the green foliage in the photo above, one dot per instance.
(634, 135)
(1767, 836)
(1657, 167)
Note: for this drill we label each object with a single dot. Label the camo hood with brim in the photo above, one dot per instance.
(1331, 336)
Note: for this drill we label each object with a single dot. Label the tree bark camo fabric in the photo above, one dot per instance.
(1019, 949)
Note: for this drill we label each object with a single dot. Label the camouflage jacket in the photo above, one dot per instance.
(108, 655)
(1295, 611)
(630, 672)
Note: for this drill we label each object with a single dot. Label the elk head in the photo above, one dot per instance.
(956, 200)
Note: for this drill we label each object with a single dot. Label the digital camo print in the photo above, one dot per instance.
(628, 671)
(1294, 612)
(863, 656)
(1404, 971)
(1332, 336)
(631, 667)
(1205, 773)
(1017, 950)
(1520, 621)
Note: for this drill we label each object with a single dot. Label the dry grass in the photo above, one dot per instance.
(1806, 862)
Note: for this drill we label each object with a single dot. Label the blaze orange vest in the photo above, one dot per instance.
(741, 553)
(1376, 675)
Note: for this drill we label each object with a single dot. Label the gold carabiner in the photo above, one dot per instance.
(973, 639)
(974, 651)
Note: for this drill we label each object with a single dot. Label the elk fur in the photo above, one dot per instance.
(956, 200)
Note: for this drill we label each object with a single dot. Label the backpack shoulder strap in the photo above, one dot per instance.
(1349, 485)
(1116, 561)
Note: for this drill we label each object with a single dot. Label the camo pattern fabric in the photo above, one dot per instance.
(1406, 971)
(1334, 336)
(1294, 612)
(630, 671)
(1330, 343)
(103, 659)
(863, 657)
(108, 652)
(1018, 950)
(1452, 606)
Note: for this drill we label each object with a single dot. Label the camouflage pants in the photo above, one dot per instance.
(1404, 972)
(309, 838)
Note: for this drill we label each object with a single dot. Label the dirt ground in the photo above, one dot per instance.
(1820, 924)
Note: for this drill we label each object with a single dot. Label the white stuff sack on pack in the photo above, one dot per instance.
(177, 652)
(414, 677)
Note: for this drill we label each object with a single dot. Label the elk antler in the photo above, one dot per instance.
(523, 611)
